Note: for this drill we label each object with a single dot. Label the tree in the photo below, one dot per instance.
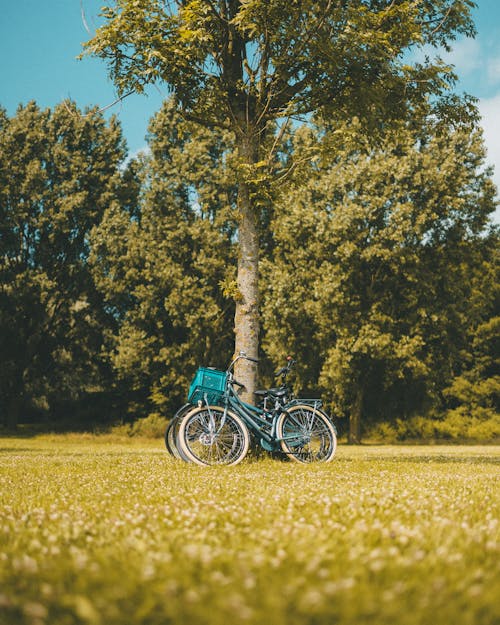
(243, 64)
(163, 264)
(473, 396)
(58, 172)
(380, 247)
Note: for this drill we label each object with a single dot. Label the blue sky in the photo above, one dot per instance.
(40, 40)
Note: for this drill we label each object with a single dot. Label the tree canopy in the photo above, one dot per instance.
(252, 61)
(380, 247)
(58, 174)
(162, 268)
(243, 64)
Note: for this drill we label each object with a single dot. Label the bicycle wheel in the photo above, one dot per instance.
(213, 435)
(172, 431)
(306, 434)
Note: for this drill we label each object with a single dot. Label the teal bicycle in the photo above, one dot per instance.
(215, 426)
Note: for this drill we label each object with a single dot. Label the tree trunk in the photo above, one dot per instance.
(354, 437)
(246, 320)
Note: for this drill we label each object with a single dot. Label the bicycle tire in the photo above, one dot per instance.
(306, 434)
(172, 431)
(211, 435)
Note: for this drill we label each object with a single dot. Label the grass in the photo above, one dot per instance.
(108, 531)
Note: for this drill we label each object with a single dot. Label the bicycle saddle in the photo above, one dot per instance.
(274, 392)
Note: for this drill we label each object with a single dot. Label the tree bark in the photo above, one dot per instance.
(354, 437)
(246, 321)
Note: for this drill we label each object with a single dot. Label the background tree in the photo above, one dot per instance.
(380, 247)
(473, 397)
(58, 172)
(163, 265)
(242, 65)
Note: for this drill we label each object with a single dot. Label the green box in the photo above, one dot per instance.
(207, 385)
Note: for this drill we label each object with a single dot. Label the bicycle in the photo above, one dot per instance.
(217, 430)
(283, 393)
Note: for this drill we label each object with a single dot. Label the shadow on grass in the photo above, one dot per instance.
(32, 431)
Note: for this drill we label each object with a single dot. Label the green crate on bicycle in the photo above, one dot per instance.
(207, 385)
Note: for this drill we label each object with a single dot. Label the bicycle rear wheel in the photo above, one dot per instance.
(173, 430)
(306, 434)
(212, 435)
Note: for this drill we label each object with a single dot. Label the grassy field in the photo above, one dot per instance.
(96, 531)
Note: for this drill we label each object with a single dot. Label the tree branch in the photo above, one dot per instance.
(216, 13)
(278, 138)
(101, 110)
(438, 27)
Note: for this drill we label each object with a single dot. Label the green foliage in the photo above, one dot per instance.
(371, 277)
(159, 267)
(97, 532)
(474, 392)
(243, 65)
(58, 174)
(228, 62)
(456, 426)
(367, 253)
(152, 426)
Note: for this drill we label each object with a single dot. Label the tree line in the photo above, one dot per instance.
(378, 269)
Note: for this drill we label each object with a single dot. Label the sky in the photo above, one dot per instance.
(41, 39)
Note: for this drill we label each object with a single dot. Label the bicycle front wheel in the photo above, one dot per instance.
(213, 435)
(306, 434)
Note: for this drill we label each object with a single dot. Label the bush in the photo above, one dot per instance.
(383, 432)
(152, 426)
(482, 424)
(455, 426)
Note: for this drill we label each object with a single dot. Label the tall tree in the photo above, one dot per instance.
(243, 64)
(380, 247)
(58, 172)
(164, 264)
(474, 393)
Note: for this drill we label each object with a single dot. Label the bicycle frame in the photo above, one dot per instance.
(260, 421)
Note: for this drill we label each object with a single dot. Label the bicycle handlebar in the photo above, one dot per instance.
(284, 371)
(241, 355)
